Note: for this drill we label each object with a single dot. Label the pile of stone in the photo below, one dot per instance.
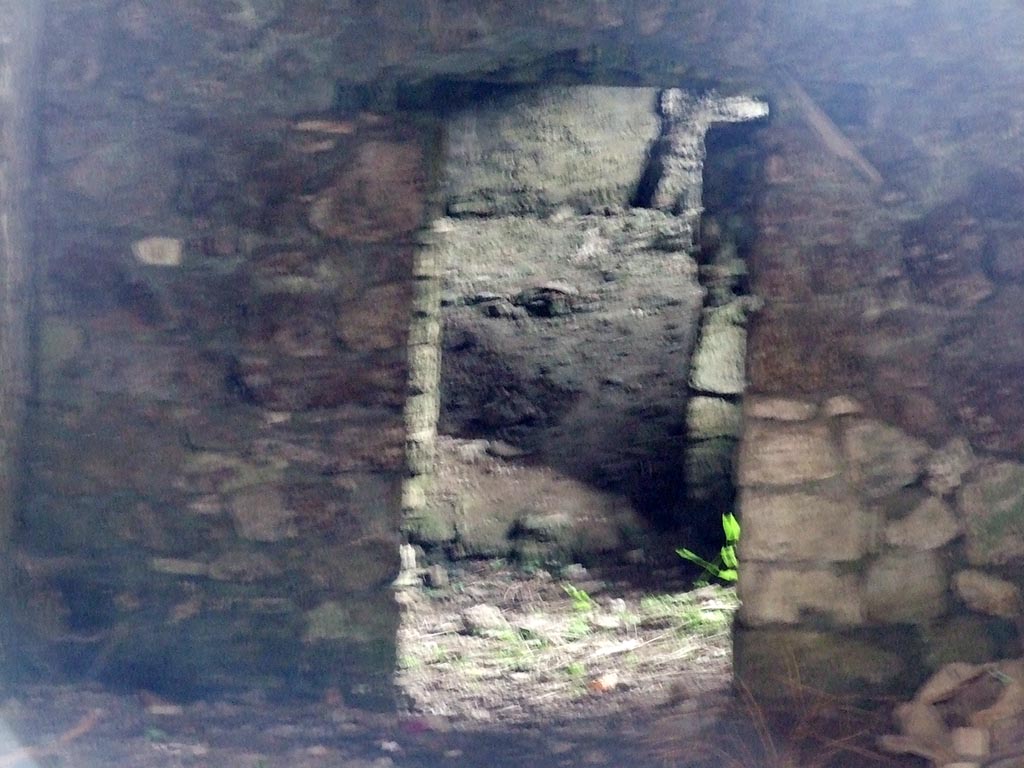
(965, 716)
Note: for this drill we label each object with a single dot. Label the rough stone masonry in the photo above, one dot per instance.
(225, 202)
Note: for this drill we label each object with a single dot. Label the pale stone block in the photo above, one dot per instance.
(773, 595)
(779, 409)
(992, 510)
(931, 525)
(841, 405)
(159, 251)
(905, 585)
(786, 454)
(421, 411)
(987, 594)
(424, 369)
(719, 362)
(708, 417)
(426, 330)
(884, 458)
(801, 526)
(971, 742)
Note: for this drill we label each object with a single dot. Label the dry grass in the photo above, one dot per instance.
(803, 728)
(562, 651)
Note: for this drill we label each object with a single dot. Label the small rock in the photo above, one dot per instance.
(436, 576)
(987, 594)
(544, 527)
(472, 451)
(606, 621)
(502, 450)
(574, 572)
(484, 620)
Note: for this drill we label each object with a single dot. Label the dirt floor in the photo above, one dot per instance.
(497, 668)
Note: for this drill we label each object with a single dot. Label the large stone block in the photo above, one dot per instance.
(992, 510)
(930, 525)
(772, 594)
(786, 454)
(586, 147)
(905, 586)
(782, 527)
(884, 458)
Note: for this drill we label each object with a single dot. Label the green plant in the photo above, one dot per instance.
(576, 669)
(726, 565)
(577, 629)
(582, 602)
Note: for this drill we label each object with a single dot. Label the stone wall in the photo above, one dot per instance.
(217, 443)
(228, 203)
(18, 35)
(880, 469)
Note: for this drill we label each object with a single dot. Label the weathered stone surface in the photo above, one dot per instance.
(324, 381)
(708, 469)
(805, 351)
(349, 567)
(777, 594)
(380, 319)
(975, 372)
(260, 514)
(884, 459)
(708, 417)
(718, 366)
(841, 405)
(379, 197)
(786, 527)
(943, 253)
(930, 525)
(905, 585)
(243, 566)
(786, 454)
(945, 468)
(584, 147)
(989, 595)
(778, 408)
(992, 511)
